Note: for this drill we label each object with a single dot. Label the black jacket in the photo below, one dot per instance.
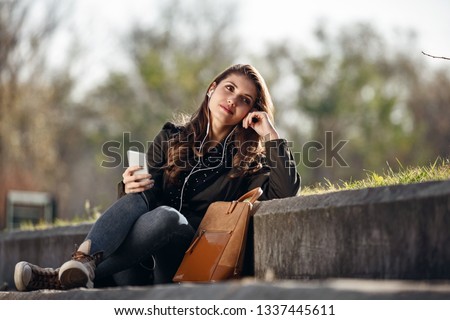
(210, 182)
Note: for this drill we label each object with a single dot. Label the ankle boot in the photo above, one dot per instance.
(28, 277)
(80, 271)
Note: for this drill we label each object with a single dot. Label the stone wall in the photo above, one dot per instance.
(399, 232)
(47, 248)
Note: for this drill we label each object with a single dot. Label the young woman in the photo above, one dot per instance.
(228, 147)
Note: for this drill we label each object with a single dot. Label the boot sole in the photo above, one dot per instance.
(74, 274)
(18, 276)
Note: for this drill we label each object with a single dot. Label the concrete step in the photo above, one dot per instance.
(252, 289)
(397, 233)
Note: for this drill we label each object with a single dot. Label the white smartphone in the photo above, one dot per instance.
(136, 158)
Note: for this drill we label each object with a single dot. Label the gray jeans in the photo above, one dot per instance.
(140, 245)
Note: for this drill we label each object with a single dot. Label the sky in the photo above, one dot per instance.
(101, 25)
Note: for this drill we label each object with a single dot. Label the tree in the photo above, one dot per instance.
(30, 104)
(435, 57)
(429, 105)
(359, 88)
(174, 60)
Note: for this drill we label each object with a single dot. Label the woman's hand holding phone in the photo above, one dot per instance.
(136, 177)
(137, 182)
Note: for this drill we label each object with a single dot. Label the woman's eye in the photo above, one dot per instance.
(229, 88)
(246, 100)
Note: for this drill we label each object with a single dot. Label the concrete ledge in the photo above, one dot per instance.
(335, 289)
(49, 248)
(398, 232)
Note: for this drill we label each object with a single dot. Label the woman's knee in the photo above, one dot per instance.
(162, 219)
(170, 216)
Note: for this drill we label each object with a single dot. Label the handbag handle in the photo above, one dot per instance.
(252, 195)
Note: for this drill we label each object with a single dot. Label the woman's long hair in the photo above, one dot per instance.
(185, 146)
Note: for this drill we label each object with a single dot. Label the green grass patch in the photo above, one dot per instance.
(439, 170)
(90, 215)
(436, 171)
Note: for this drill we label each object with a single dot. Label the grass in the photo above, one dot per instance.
(437, 171)
(90, 215)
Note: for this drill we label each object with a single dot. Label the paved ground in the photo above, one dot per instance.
(334, 289)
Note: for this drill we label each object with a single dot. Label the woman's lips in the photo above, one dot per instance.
(226, 109)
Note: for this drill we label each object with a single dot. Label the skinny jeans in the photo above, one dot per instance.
(140, 245)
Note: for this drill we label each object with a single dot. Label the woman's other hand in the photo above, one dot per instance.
(260, 122)
(135, 183)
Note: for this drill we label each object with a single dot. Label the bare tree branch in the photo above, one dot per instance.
(435, 56)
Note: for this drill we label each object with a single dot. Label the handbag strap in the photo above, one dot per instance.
(252, 195)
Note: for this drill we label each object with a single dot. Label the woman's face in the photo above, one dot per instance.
(231, 100)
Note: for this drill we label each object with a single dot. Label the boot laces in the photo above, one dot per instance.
(86, 258)
(82, 257)
(44, 278)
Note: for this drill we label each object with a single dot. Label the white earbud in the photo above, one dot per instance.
(210, 92)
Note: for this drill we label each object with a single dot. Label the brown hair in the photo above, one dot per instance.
(184, 145)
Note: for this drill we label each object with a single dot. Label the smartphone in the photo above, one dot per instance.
(136, 158)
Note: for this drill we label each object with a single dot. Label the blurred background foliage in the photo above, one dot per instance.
(380, 98)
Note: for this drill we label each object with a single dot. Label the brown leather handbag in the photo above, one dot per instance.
(217, 250)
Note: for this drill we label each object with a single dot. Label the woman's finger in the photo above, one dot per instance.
(134, 187)
(131, 170)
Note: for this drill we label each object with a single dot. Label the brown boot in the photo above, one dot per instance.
(28, 277)
(80, 271)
